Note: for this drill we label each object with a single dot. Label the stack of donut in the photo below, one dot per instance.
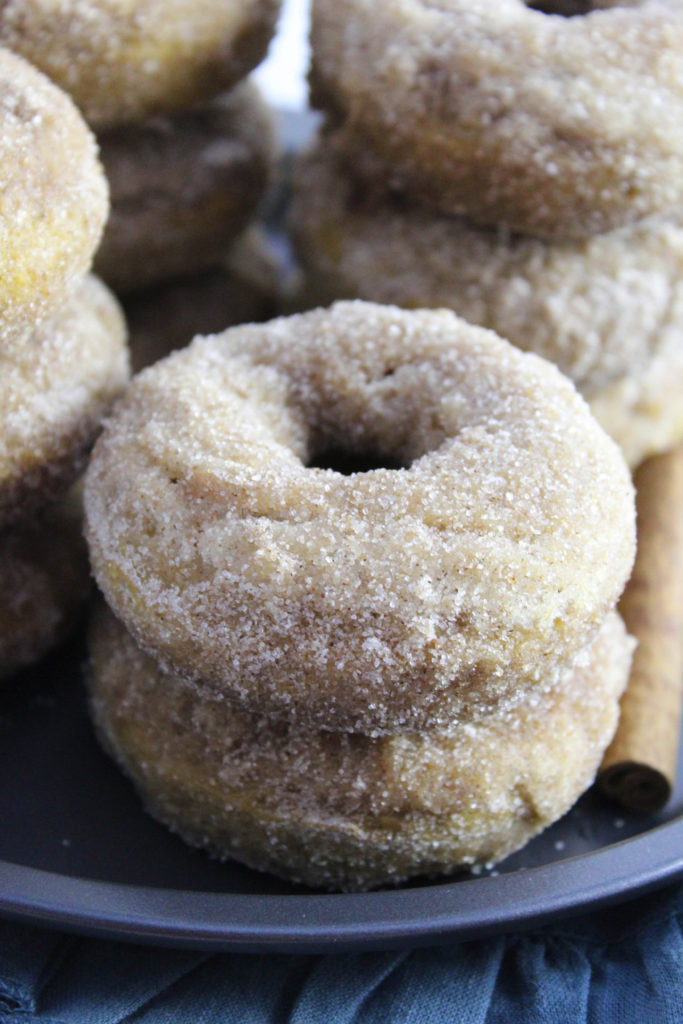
(187, 161)
(521, 164)
(361, 566)
(63, 354)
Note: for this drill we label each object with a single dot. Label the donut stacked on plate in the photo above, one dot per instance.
(361, 567)
(63, 355)
(187, 161)
(521, 165)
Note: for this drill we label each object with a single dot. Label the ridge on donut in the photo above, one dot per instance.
(125, 61)
(554, 126)
(470, 568)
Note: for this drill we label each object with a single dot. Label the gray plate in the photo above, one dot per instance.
(77, 852)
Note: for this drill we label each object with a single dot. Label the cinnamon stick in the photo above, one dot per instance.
(639, 767)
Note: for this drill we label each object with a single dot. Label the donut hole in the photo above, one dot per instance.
(348, 462)
(563, 8)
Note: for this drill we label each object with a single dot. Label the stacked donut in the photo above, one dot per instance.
(187, 162)
(521, 164)
(63, 355)
(361, 567)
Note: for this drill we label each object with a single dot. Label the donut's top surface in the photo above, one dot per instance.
(53, 195)
(555, 126)
(474, 563)
(123, 60)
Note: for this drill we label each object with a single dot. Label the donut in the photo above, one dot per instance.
(467, 560)
(167, 317)
(643, 411)
(607, 310)
(56, 384)
(343, 811)
(44, 581)
(182, 188)
(126, 61)
(53, 197)
(556, 127)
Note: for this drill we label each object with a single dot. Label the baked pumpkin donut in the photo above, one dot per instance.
(124, 61)
(182, 188)
(53, 196)
(392, 598)
(44, 581)
(607, 310)
(555, 126)
(346, 811)
(56, 384)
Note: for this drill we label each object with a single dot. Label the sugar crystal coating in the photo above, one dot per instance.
(56, 383)
(53, 196)
(347, 811)
(558, 127)
(123, 60)
(607, 310)
(386, 599)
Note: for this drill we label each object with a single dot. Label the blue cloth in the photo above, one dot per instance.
(619, 966)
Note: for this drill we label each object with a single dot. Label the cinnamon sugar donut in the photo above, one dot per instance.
(558, 127)
(124, 61)
(607, 310)
(53, 196)
(44, 580)
(56, 383)
(343, 811)
(182, 188)
(395, 598)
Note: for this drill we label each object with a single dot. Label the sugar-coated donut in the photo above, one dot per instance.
(385, 599)
(53, 196)
(56, 384)
(558, 127)
(123, 61)
(607, 310)
(643, 411)
(182, 188)
(345, 811)
(44, 580)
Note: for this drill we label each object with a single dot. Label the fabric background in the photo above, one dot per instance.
(619, 966)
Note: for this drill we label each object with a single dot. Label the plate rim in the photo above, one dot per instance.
(313, 923)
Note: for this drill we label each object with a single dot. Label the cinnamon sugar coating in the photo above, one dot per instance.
(44, 581)
(607, 310)
(56, 383)
(53, 196)
(395, 598)
(345, 811)
(554, 126)
(124, 60)
(182, 188)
